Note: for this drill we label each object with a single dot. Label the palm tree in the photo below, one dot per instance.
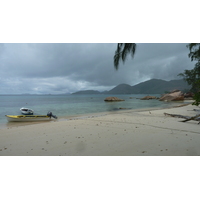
(123, 49)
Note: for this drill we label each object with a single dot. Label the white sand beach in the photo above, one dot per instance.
(124, 133)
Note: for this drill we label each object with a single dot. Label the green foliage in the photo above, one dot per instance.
(197, 99)
(192, 77)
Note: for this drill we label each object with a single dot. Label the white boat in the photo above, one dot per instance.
(26, 111)
(30, 118)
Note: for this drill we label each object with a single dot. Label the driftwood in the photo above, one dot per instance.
(187, 118)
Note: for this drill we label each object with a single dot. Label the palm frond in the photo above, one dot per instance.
(194, 51)
(123, 49)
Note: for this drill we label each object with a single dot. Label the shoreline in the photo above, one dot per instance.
(120, 133)
(86, 115)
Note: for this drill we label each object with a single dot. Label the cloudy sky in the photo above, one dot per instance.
(56, 68)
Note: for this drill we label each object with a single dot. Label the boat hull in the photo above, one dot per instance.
(27, 118)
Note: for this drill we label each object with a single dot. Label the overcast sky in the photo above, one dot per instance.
(54, 68)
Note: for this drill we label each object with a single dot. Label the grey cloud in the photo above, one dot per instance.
(68, 67)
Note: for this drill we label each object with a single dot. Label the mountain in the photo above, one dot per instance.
(158, 86)
(121, 89)
(153, 86)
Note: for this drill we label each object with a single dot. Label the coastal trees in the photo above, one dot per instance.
(192, 77)
(123, 49)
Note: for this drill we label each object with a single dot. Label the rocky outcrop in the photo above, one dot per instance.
(176, 95)
(149, 97)
(113, 99)
(189, 96)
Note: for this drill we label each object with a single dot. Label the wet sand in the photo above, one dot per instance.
(124, 133)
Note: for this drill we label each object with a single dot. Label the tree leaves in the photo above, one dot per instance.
(123, 49)
(192, 77)
(194, 51)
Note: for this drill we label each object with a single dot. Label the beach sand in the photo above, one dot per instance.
(124, 133)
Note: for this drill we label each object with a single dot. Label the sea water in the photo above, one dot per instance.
(72, 105)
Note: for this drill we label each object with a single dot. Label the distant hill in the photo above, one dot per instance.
(157, 86)
(121, 89)
(153, 86)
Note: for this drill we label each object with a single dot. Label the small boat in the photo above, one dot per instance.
(26, 111)
(30, 118)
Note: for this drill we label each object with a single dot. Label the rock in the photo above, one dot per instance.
(113, 99)
(189, 95)
(179, 98)
(149, 97)
(173, 96)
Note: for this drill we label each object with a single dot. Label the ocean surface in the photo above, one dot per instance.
(72, 105)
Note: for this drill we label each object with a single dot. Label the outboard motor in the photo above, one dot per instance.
(49, 114)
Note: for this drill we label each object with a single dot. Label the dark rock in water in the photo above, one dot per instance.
(113, 99)
(149, 97)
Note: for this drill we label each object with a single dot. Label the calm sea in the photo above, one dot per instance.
(72, 105)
